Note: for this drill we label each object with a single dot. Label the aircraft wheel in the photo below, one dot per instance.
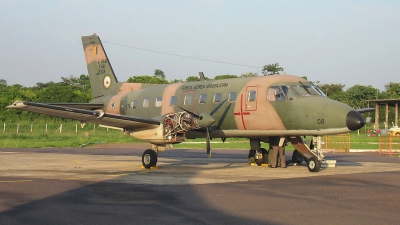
(314, 165)
(265, 155)
(149, 158)
(259, 156)
(251, 159)
(297, 157)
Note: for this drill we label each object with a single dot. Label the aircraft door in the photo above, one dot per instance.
(188, 101)
(251, 98)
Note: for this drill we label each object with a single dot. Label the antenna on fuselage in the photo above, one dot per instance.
(202, 78)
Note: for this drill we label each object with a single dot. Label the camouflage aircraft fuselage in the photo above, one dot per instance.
(242, 107)
(239, 115)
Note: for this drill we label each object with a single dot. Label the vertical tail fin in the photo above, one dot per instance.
(101, 74)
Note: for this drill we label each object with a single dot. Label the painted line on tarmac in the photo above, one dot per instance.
(14, 181)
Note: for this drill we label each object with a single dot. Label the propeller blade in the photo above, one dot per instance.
(208, 142)
(193, 114)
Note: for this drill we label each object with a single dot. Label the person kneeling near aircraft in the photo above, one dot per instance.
(277, 144)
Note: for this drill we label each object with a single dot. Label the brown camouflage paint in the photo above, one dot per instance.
(170, 90)
(129, 87)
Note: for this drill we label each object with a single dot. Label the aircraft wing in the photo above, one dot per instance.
(90, 106)
(364, 110)
(86, 115)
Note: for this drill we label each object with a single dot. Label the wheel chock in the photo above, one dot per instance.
(152, 167)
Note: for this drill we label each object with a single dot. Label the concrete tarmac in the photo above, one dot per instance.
(106, 185)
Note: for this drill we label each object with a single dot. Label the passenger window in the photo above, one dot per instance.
(158, 101)
(188, 100)
(133, 104)
(202, 98)
(217, 97)
(172, 101)
(146, 103)
(251, 96)
(232, 97)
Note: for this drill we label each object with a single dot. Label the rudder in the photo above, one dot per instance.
(101, 75)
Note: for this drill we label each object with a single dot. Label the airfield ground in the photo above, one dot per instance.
(105, 184)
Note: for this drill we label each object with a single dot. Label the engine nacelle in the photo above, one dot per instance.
(175, 125)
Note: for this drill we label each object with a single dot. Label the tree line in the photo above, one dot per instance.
(77, 89)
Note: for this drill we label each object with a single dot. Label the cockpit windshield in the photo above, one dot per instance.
(290, 92)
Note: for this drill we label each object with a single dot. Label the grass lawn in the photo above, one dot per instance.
(72, 135)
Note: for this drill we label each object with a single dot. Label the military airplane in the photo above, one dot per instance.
(254, 107)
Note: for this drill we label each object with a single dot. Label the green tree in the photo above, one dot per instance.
(392, 90)
(333, 91)
(3, 82)
(147, 79)
(159, 73)
(192, 78)
(357, 95)
(226, 76)
(249, 74)
(271, 69)
(177, 81)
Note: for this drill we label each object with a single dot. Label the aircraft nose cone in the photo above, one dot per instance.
(354, 120)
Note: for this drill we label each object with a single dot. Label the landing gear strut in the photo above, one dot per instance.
(312, 157)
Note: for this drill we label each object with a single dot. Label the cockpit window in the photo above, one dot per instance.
(312, 90)
(275, 93)
(294, 91)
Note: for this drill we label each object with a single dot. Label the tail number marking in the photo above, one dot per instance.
(102, 66)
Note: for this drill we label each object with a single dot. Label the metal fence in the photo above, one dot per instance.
(48, 127)
(389, 145)
(337, 143)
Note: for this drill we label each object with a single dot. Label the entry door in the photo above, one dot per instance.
(251, 98)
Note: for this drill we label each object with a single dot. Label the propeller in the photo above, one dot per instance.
(208, 143)
(205, 121)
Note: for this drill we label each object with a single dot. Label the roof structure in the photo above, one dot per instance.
(388, 103)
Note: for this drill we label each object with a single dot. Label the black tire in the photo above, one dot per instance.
(251, 153)
(314, 165)
(250, 158)
(265, 155)
(149, 158)
(260, 160)
(297, 157)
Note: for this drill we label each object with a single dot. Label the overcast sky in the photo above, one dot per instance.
(347, 42)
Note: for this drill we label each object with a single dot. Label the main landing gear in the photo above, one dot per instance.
(257, 154)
